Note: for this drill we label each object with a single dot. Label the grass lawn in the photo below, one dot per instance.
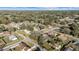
(23, 33)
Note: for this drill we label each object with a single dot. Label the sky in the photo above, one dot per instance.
(39, 5)
(36, 3)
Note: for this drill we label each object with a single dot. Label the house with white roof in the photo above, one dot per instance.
(12, 37)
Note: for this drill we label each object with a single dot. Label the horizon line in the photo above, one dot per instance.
(39, 8)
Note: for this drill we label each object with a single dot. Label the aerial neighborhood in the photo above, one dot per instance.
(39, 30)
